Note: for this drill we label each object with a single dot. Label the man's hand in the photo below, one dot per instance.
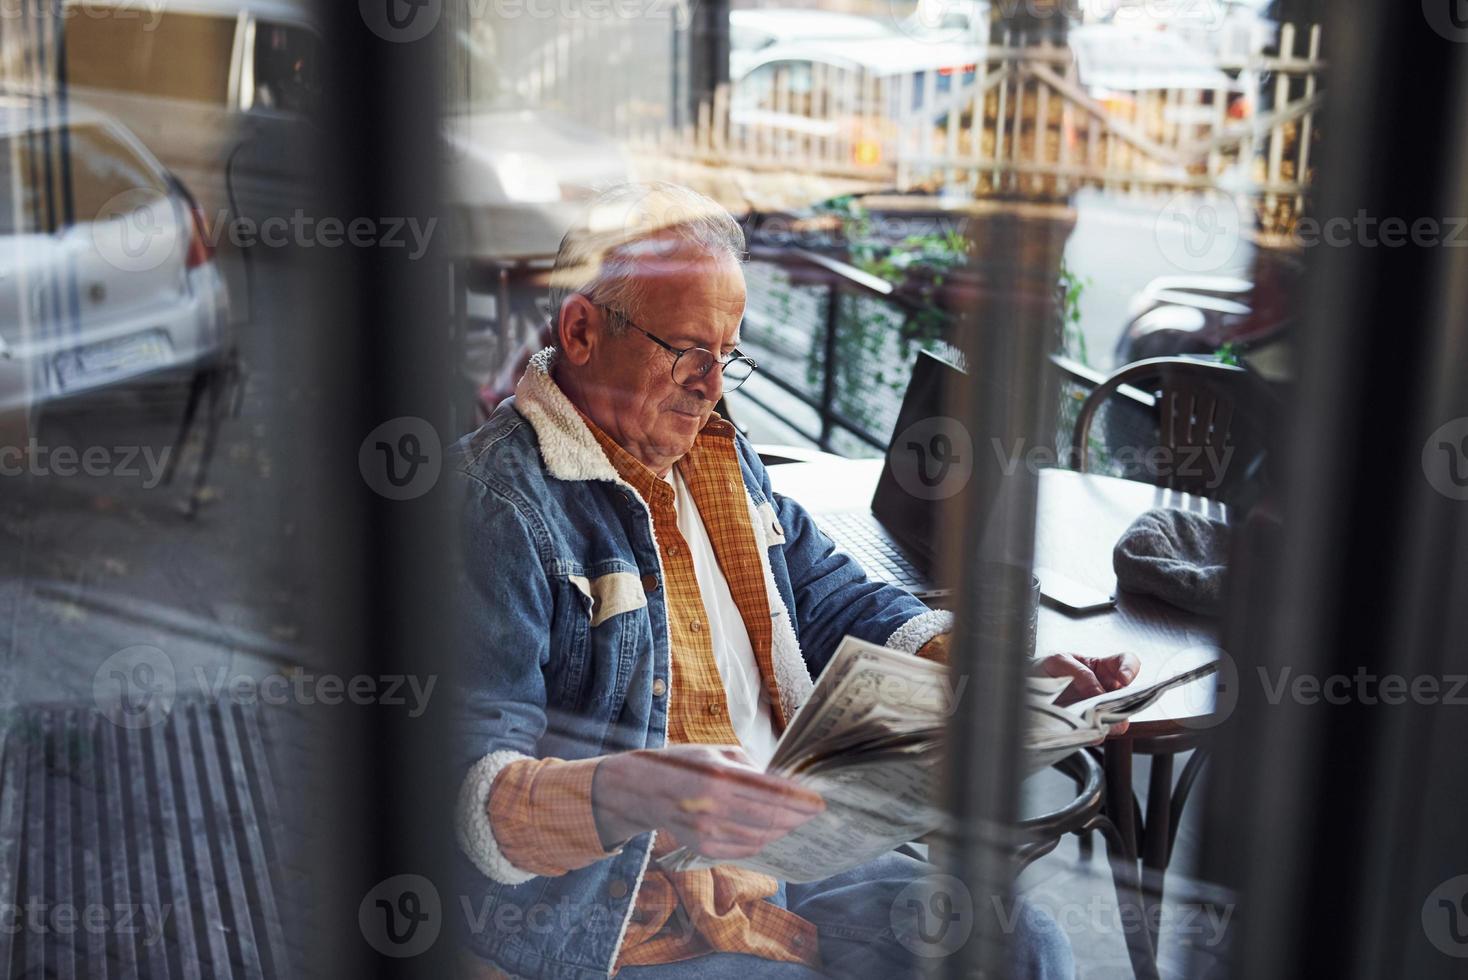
(1091, 676)
(710, 797)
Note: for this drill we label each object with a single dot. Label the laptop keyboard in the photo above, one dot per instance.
(861, 535)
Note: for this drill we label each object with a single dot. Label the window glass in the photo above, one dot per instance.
(286, 68)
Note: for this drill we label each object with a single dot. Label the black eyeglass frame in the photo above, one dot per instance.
(723, 363)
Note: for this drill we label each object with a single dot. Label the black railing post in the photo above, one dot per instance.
(828, 386)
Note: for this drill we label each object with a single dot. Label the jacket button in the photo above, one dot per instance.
(696, 626)
(716, 709)
(659, 687)
(649, 583)
(617, 889)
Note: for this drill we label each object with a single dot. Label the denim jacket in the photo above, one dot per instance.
(564, 640)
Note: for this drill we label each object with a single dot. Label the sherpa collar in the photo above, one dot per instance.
(567, 444)
(569, 449)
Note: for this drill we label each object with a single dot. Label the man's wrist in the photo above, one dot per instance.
(612, 809)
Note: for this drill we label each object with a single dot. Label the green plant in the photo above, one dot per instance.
(1069, 290)
(1228, 354)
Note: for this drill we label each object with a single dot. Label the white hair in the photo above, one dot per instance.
(626, 225)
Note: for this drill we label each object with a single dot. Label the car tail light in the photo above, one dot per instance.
(200, 249)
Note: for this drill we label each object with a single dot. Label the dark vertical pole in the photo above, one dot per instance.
(828, 378)
(708, 52)
(1003, 404)
(1340, 819)
(376, 360)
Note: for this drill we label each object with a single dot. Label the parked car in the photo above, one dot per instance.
(873, 82)
(107, 274)
(751, 31)
(1198, 314)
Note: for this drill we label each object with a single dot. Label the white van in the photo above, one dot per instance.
(199, 80)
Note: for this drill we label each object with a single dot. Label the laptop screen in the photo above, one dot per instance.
(929, 460)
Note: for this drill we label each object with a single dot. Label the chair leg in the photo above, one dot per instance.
(211, 439)
(191, 408)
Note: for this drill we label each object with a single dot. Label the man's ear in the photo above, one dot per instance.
(579, 329)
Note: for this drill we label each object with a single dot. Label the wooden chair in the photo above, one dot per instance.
(1211, 421)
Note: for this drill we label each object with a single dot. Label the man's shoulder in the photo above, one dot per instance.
(501, 453)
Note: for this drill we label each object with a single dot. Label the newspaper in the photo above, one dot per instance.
(869, 740)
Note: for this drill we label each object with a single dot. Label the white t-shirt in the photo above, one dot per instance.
(749, 709)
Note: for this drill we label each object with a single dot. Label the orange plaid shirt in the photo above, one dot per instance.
(540, 810)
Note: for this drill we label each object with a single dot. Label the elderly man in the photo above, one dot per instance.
(645, 615)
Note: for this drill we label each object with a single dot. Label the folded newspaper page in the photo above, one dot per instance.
(870, 739)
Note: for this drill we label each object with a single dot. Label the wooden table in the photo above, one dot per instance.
(1079, 517)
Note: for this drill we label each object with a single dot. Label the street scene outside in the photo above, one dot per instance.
(149, 450)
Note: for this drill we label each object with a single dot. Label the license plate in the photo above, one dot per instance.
(122, 356)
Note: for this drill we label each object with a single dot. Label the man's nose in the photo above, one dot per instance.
(709, 387)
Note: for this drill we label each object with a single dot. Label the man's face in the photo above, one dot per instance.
(628, 387)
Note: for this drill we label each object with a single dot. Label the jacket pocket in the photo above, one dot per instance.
(610, 594)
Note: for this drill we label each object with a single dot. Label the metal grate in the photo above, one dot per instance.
(139, 853)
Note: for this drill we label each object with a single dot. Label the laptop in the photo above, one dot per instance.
(928, 460)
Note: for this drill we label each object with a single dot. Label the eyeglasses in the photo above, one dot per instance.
(692, 364)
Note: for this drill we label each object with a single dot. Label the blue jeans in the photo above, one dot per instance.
(883, 920)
